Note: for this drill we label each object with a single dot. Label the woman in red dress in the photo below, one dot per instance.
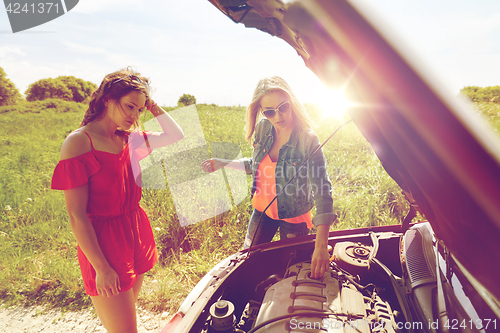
(98, 171)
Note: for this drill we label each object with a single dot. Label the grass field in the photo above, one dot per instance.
(37, 249)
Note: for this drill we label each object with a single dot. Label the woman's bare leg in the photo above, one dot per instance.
(118, 313)
(138, 285)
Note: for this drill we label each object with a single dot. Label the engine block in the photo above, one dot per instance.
(298, 303)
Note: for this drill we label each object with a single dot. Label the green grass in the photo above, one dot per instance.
(491, 112)
(38, 262)
(36, 245)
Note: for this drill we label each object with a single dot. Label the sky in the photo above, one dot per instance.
(190, 47)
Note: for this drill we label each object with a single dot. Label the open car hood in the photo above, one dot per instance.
(435, 147)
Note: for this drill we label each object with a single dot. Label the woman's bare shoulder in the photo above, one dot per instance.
(76, 143)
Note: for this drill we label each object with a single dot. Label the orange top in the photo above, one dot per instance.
(266, 191)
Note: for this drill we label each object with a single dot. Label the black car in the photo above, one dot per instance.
(437, 276)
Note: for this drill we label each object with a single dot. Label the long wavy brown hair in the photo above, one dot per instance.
(114, 86)
(265, 86)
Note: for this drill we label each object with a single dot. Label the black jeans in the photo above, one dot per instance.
(268, 227)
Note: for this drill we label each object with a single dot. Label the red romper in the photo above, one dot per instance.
(121, 225)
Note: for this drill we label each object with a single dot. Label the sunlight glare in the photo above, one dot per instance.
(333, 103)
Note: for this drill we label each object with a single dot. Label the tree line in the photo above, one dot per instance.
(68, 88)
(479, 94)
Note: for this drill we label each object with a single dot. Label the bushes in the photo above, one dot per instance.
(55, 105)
(481, 95)
(186, 100)
(80, 89)
(9, 95)
(68, 88)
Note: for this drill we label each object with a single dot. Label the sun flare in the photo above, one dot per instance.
(333, 103)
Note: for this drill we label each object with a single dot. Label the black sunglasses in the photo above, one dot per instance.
(283, 108)
(133, 77)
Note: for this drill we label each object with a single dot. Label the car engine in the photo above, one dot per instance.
(332, 304)
(298, 303)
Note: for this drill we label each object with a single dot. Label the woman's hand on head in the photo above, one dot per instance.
(211, 165)
(107, 283)
(150, 105)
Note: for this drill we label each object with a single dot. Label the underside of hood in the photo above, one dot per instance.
(435, 147)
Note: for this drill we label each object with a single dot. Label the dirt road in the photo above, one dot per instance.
(36, 319)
